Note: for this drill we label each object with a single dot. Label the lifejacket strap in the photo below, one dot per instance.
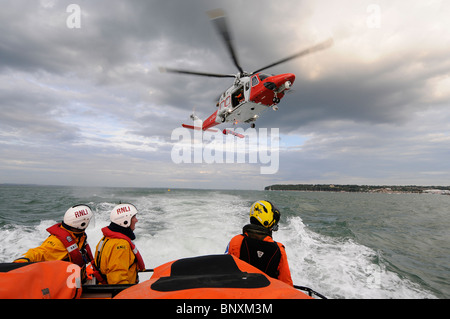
(67, 240)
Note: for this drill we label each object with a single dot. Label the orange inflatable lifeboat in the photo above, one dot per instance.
(42, 280)
(204, 277)
(210, 277)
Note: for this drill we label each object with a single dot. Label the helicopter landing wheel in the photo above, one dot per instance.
(276, 100)
(252, 125)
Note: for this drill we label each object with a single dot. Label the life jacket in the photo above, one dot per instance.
(76, 255)
(112, 234)
(82, 257)
(262, 254)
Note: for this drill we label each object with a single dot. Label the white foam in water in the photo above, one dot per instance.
(181, 224)
(340, 268)
(17, 239)
(186, 226)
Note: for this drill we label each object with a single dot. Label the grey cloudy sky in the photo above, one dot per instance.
(88, 106)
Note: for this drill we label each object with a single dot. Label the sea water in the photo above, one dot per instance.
(343, 245)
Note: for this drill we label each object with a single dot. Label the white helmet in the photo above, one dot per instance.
(122, 214)
(78, 216)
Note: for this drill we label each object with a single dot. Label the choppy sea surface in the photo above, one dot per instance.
(343, 245)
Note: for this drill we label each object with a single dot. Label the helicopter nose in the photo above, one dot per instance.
(286, 80)
(280, 81)
(288, 77)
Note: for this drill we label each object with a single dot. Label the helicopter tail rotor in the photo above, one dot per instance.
(194, 117)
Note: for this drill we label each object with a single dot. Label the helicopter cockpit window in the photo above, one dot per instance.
(255, 80)
(263, 76)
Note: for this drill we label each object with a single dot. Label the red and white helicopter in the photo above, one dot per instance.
(251, 93)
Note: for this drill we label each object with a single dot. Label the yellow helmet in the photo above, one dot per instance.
(264, 213)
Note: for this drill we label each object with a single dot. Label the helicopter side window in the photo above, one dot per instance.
(255, 80)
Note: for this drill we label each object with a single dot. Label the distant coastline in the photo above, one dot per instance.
(392, 189)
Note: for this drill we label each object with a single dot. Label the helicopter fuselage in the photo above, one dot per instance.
(248, 97)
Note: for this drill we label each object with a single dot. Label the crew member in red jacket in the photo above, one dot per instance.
(67, 240)
(256, 246)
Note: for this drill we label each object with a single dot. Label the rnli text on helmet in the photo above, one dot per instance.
(80, 213)
(125, 209)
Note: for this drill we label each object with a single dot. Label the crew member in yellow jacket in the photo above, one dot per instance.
(67, 240)
(116, 256)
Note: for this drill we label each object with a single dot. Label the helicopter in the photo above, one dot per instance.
(252, 92)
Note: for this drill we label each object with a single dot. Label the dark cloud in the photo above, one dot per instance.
(372, 107)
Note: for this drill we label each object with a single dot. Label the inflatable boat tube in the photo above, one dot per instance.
(210, 277)
(43, 280)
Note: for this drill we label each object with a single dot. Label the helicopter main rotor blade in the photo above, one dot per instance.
(217, 16)
(214, 75)
(318, 47)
